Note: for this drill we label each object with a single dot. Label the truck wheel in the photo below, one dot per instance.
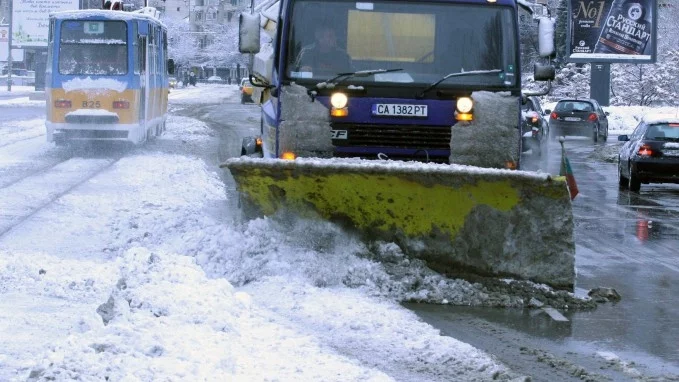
(622, 181)
(634, 184)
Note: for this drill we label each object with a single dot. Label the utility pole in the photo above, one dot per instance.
(252, 56)
(9, 51)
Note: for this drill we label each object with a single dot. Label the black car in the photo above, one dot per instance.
(534, 126)
(579, 117)
(650, 154)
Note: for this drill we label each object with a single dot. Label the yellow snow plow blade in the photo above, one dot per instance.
(460, 219)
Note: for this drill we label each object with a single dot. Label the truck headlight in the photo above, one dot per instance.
(339, 100)
(464, 104)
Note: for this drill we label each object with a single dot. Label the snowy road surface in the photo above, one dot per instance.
(145, 238)
(133, 263)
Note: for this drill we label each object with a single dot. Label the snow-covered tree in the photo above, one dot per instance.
(647, 84)
(183, 45)
(220, 46)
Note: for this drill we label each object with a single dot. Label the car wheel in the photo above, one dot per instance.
(634, 184)
(596, 135)
(553, 135)
(622, 181)
(606, 134)
(538, 147)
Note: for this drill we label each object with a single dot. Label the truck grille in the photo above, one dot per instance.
(394, 136)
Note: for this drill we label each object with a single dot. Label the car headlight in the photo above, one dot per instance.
(339, 100)
(464, 104)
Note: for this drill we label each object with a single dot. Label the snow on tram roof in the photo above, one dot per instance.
(108, 14)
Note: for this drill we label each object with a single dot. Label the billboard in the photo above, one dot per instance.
(30, 20)
(612, 31)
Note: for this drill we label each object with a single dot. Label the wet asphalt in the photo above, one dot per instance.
(624, 240)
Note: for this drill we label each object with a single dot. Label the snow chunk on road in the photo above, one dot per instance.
(174, 310)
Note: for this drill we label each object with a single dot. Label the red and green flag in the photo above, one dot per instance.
(567, 171)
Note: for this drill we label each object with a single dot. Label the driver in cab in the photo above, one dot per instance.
(324, 55)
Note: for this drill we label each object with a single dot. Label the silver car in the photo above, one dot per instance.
(579, 117)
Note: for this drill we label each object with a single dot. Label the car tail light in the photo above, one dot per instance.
(121, 105)
(62, 104)
(593, 117)
(553, 115)
(645, 151)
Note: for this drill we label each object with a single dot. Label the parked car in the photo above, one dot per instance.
(246, 90)
(534, 126)
(215, 79)
(579, 117)
(173, 82)
(650, 154)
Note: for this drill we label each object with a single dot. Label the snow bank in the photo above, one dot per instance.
(623, 119)
(168, 321)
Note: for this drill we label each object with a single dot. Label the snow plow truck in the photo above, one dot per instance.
(400, 119)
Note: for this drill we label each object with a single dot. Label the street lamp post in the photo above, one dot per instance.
(9, 51)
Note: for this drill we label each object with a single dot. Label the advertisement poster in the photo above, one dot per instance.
(612, 31)
(30, 20)
(17, 54)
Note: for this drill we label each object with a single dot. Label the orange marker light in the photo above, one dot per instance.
(464, 116)
(288, 155)
(343, 112)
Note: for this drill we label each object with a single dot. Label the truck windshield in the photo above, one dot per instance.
(93, 48)
(426, 40)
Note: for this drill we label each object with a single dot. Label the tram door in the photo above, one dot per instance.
(141, 63)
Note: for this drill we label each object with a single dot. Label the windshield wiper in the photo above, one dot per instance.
(331, 83)
(457, 74)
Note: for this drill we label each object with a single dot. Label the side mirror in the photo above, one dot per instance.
(623, 138)
(248, 33)
(170, 66)
(548, 111)
(607, 113)
(260, 82)
(546, 36)
(250, 147)
(544, 72)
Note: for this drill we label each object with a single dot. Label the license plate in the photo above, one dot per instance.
(399, 110)
(572, 119)
(671, 153)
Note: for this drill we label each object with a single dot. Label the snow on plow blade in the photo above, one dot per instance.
(462, 220)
